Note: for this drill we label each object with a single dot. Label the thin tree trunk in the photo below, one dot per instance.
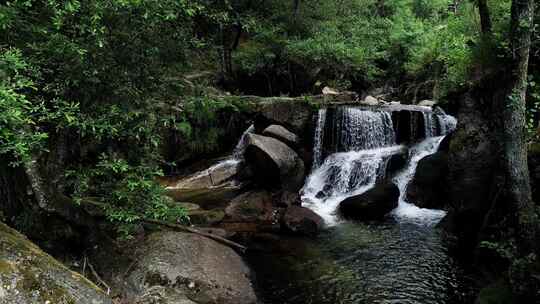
(485, 18)
(515, 150)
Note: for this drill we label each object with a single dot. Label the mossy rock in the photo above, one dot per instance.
(29, 275)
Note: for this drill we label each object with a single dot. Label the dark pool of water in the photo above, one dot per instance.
(357, 263)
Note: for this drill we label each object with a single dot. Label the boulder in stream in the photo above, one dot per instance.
(254, 206)
(175, 267)
(274, 164)
(371, 205)
(301, 220)
(282, 134)
(428, 188)
(29, 275)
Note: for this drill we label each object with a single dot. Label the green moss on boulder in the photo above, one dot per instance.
(29, 275)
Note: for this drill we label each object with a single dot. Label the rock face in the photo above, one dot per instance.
(174, 267)
(273, 163)
(28, 275)
(283, 135)
(472, 167)
(428, 188)
(371, 205)
(295, 114)
(301, 220)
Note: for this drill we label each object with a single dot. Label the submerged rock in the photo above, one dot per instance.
(371, 205)
(282, 134)
(29, 275)
(302, 221)
(175, 267)
(274, 163)
(428, 188)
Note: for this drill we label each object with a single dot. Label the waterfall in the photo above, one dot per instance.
(366, 139)
(238, 153)
(447, 124)
(430, 129)
(319, 137)
(407, 212)
(352, 147)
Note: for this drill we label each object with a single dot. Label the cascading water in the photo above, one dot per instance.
(360, 143)
(367, 139)
(232, 161)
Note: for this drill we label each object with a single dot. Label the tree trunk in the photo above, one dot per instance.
(515, 150)
(485, 18)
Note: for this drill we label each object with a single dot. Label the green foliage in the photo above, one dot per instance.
(19, 134)
(129, 193)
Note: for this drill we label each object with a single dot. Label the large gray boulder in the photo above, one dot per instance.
(175, 267)
(29, 275)
(282, 134)
(274, 164)
(371, 205)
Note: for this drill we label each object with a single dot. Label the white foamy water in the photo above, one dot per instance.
(407, 212)
(343, 175)
(368, 138)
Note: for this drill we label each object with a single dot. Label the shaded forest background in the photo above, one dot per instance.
(91, 91)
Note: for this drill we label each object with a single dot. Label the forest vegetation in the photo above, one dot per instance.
(91, 91)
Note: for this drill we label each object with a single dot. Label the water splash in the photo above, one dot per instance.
(343, 175)
(407, 212)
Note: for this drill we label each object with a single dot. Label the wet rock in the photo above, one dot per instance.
(29, 275)
(301, 220)
(273, 163)
(371, 205)
(288, 198)
(370, 101)
(253, 206)
(396, 163)
(427, 103)
(212, 177)
(428, 188)
(283, 135)
(191, 269)
(206, 217)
